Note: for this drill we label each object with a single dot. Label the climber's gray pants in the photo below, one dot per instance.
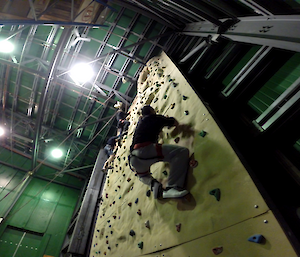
(178, 157)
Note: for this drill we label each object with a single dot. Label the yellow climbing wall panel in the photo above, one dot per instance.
(206, 221)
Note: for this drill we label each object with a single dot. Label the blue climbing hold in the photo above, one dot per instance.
(258, 238)
(137, 200)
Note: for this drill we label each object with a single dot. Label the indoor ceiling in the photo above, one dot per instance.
(43, 107)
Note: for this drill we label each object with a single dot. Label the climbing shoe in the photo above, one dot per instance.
(174, 193)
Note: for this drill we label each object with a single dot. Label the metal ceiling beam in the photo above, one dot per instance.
(42, 177)
(144, 12)
(205, 13)
(51, 73)
(48, 23)
(47, 46)
(276, 31)
(60, 81)
(23, 117)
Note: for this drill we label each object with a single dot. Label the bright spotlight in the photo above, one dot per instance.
(1, 131)
(81, 72)
(6, 46)
(57, 153)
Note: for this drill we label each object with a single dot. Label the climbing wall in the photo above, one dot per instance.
(224, 214)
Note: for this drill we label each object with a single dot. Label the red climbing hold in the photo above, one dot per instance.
(217, 250)
(139, 212)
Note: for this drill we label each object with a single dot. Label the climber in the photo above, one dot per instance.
(145, 151)
(121, 116)
(109, 151)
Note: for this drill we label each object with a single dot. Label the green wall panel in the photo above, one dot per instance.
(119, 61)
(9, 179)
(44, 209)
(133, 69)
(89, 49)
(281, 81)
(42, 32)
(18, 243)
(240, 65)
(139, 26)
(97, 33)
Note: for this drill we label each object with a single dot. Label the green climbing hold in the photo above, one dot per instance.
(141, 245)
(165, 96)
(203, 133)
(165, 172)
(216, 193)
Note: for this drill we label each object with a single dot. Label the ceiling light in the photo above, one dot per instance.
(57, 153)
(6, 46)
(81, 72)
(1, 131)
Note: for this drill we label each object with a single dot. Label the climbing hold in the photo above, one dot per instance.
(108, 248)
(155, 100)
(170, 80)
(174, 84)
(114, 217)
(217, 250)
(108, 221)
(106, 241)
(165, 96)
(258, 238)
(117, 245)
(111, 232)
(137, 200)
(186, 112)
(178, 227)
(129, 204)
(216, 193)
(158, 85)
(139, 212)
(128, 180)
(106, 195)
(184, 97)
(176, 140)
(131, 233)
(165, 172)
(193, 163)
(148, 193)
(203, 133)
(172, 105)
(120, 197)
(141, 245)
(147, 224)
